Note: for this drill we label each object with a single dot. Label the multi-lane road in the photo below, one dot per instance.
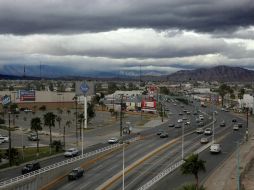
(98, 173)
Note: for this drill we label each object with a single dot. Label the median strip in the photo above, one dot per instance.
(106, 185)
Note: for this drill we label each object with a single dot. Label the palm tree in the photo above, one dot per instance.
(36, 126)
(68, 123)
(193, 165)
(80, 120)
(49, 120)
(59, 119)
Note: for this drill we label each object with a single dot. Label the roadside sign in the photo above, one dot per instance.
(6, 100)
(84, 87)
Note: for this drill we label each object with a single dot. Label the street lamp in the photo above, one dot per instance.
(182, 141)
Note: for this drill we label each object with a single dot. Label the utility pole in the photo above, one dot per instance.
(10, 159)
(182, 141)
(76, 107)
(247, 125)
(121, 117)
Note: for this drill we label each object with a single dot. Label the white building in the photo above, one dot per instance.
(247, 101)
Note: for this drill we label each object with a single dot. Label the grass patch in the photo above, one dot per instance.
(30, 154)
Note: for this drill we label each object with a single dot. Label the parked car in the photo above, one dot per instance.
(201, 124)
(215, 148)
(30, 167)
(187, 123)
(235, 127)
(199, 130)
(76, 173)
(208, 131)
(204, 140)
(113, 140)
(178, 126)
(234, 120)
(188, 113)
(184, 118)
(160, 132)
(164, 135)
(179, 121)
(180, 113)
(171, 125)
(71, 152)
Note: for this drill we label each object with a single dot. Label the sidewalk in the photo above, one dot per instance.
(224, 177)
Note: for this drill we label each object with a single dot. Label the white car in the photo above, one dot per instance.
(204, 140)
(27, 110)
(208, 131)
(199, 130)
(187, 123)
(4, 139)
(71, 152)
(179, 121)
(215, 148)
(113, 140)
(235, 127)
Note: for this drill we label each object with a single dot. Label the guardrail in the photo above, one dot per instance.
(62, 163)
(170, 170)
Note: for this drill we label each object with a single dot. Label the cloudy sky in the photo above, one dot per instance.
(160, 35)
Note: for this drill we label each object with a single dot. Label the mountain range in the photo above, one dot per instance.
(218, 73)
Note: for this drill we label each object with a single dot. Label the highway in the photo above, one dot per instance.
(104, 169)
(100, 170)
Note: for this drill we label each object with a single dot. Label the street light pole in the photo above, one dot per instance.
(123, 166)
(238, 167)
(182, 141)
(9, 115)
(213, 129)
(121, 117)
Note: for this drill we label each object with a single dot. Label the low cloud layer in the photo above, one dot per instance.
(160, 35)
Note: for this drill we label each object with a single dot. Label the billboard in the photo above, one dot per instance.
(148, 104)
(6, 100)
(26, 95)
(86, 87)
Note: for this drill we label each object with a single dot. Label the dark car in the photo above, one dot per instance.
(76, 173)
(171, 125)
(222, 124)
(30, 167)
(234, 120)
(164, 135)
(160, 132)
(240, 125)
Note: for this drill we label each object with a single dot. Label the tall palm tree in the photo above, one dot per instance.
(68, 123)
(59, 119)
(80, 120)
(36, 126)
(49, 120)
(193, 165)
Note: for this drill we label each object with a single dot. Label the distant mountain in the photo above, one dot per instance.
(218, 73)
(55, 71)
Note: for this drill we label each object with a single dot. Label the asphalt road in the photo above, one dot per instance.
(105, 169)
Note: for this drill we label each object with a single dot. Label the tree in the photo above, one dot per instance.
(68, 124)
(90, 112)
(49, 120)
(164, 90)
(241, 93)
(223, 90)
(36, 126)
(59, 119)
(193, 165)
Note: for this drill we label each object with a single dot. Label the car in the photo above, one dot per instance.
(240, 125)
(178, 126)
(187, 123)
(182, 106)
(188, 113)
(223, 124)
(4, 138)
(226, 110)
(235, 127)
(199, 130)
(201, 124)
(76, 173)
(33, 137)
(113, 140)
(215, 112)
(179, 121)
(160, 132)
(234, 120)
(171, 125)
(222, 109)
(164, 135)
(204, 140)
(195, 113)
(180, 113)
(185, 111)
(174, 104)
(215, 148)
(71, 152)
(208, 131)
(184, 118)
(27, 110)
(30, 167)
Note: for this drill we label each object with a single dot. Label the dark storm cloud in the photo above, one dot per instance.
(78, 16)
